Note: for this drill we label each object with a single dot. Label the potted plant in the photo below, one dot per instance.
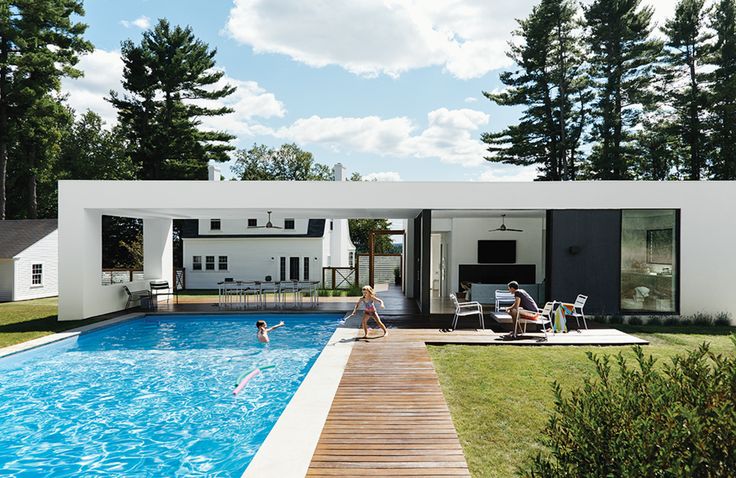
(397, 276)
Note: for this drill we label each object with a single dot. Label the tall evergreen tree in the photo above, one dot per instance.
(40, 41)
(686, 52)
(169, 78)
(723, 100)
(89, 151)
(623, 57)
(550, 82)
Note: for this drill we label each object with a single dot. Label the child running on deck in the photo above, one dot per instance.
(263, 330)
(369, 300)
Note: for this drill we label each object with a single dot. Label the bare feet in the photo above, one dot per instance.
(385, 332)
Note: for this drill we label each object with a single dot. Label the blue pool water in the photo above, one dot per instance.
(152, 396)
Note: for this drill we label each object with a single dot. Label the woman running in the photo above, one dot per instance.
(369, 300)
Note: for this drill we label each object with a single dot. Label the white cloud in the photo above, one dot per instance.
(383, 176)
(371, 37)
(471, 99)
(249, 101)
(508, 172)
(450, 135)
(142, 22)
(103, 71)
(468, 38)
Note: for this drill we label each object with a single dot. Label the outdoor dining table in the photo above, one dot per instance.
(234, 294)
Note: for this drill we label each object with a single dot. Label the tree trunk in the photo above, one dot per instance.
(32, 197)
(695, 163)
(4, 139)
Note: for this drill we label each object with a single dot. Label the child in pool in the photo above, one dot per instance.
(263, 330)
(369, 300)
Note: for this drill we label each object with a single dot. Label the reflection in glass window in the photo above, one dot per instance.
(649, 260)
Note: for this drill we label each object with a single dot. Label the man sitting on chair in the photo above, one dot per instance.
(523, 306)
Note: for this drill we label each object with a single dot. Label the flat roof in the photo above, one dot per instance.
(353, 199)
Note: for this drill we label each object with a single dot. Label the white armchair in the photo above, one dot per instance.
(466, 308)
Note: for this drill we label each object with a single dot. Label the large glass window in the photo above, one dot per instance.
(649, 254)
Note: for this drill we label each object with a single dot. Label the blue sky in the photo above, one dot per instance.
(390, 88)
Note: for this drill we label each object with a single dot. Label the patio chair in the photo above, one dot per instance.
(543, 319)
(577, 310)
(142, 296)
(466, 308)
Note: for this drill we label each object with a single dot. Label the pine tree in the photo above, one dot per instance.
(170, 77)
(723, 98)
(39, 44)
(686, 53)
(623, 57)
(551, 84)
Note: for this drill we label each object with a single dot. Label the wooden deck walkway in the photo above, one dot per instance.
(389, 417)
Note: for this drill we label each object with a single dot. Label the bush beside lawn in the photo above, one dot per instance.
(501, 397)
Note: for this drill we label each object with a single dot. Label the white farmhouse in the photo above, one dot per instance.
(29, 258)
(264, 244)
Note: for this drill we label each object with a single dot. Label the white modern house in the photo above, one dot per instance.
(632, 247)
(28, 259)
(264, 244)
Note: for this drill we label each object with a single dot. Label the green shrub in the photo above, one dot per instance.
(685, 321)
(675, 420)
(343, 293)
(654, 320)
(635, 321)
(672, 321)
(355, 291)
(723, 319)
(601, 319)
(701, 319)
(616, 320)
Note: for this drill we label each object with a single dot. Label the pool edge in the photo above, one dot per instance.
(287, 450)
(67, 334)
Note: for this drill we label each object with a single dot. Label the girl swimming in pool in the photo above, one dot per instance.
(369, 300)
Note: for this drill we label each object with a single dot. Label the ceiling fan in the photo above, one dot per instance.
(269, 224)
(503, 227)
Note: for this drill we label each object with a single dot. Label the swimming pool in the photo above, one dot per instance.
(152, 396)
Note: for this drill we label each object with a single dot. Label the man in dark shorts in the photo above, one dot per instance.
(524, 306)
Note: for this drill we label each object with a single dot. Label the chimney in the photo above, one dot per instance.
(213, 173)
(339, 172)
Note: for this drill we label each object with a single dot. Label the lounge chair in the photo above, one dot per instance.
(577, 310)
(466, 308)
(138, 296)
(543, 318)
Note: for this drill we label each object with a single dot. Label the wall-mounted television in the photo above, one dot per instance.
(496, 252)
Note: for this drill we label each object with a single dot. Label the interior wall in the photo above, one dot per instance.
(466, 232)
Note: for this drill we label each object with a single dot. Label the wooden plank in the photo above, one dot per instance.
(389, 417)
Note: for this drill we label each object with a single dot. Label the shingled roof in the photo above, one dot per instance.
(17, 235)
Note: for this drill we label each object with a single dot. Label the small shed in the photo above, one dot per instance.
(29, 257)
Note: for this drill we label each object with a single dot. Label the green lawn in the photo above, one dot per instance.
(26, 320)
(500, 397)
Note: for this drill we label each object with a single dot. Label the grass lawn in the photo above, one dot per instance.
(500, 397)
(26, 320)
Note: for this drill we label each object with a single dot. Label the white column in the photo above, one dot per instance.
(158, 259)
(80, 260)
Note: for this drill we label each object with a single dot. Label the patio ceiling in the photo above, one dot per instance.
(239, 213)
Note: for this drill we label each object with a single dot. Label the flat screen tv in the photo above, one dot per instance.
(496, 252)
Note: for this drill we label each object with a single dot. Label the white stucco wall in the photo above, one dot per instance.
(6, 280)
(466, 232)
(45, 252)
(250, 258)
(705, 251)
